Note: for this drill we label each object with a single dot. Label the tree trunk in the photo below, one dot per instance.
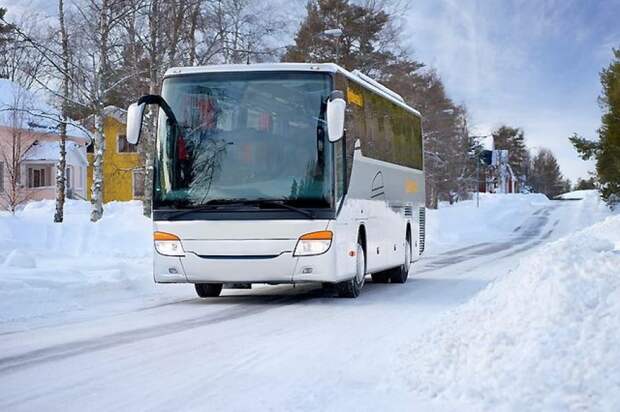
(61, 177)
(147, 144)
(99, 148)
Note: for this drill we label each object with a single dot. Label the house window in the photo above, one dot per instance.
(137, 183)
(38, 177)
(123, 146)
(1, 177)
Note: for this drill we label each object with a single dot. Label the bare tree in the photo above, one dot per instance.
(14, 116)
(19, 60)
(96, 47)
(61, 177)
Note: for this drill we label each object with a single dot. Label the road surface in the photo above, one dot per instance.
(269, 348)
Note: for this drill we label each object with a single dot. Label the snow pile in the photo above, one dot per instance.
(578, 194)
(123, 231)
(463, 223)
(48, 268)
(543, 337)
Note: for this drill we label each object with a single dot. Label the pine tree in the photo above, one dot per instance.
(546, 176)
(606, 151)
(513, 140)
(367, 42)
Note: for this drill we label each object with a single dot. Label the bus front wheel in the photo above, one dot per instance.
(208, 290)
(353, 287)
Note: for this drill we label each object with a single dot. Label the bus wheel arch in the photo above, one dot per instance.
(409, 238)
(351, 288)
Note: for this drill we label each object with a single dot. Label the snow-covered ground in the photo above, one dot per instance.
(543, 336)
(75, 270)
(515, 306)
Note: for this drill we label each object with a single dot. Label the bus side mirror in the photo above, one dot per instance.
(134, 122)
(335, 116)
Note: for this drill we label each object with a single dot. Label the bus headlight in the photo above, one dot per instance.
(168, 244)
(314, 243)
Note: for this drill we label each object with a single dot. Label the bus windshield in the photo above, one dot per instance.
(244, 136)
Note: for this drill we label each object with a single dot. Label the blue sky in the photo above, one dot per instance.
(531, 64)
(526, 63)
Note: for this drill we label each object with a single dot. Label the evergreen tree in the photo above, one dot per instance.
(606, 151)
(546, 176)
(367, 42)
(513, 140)
(586, 184)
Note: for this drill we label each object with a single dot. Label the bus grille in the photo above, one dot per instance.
(422, 224)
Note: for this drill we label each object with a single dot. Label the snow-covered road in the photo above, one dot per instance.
(269, 348)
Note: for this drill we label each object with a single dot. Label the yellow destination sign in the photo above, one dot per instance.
(355, 98)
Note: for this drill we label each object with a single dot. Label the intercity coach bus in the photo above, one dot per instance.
(283, 173)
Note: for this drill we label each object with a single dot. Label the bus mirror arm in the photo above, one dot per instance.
(335, 112)
(135, 115)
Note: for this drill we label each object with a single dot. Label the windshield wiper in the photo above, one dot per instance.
(208, 206)
(222, 203)
(282, 203)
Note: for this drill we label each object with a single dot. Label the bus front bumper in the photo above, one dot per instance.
(284, 268)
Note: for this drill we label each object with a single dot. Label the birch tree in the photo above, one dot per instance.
(61, 178)
(97, 50)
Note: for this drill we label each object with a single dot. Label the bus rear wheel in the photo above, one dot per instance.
(353, 287)
(401, 273)
(208, 290)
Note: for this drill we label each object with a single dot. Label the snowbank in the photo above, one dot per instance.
(463, 223)
(543, 337)
(579, 194)
(48, 268)
(123, 231)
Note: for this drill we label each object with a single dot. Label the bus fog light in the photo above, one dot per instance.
(314, 243)
(169, 247)
(168, 244)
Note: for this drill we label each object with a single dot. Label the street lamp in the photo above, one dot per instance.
(335, 33)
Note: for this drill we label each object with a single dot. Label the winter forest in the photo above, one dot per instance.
(96, 53)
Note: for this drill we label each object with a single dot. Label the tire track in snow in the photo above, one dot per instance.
(65, 350)
(527, 235)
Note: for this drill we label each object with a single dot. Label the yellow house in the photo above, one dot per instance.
(123, 171)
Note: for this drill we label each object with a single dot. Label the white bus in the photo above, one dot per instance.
(283, 173)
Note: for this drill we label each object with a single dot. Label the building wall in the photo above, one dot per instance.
(117, 167)
(28, 137)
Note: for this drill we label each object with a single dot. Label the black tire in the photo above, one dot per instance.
(401, 273)
(208, 290)
(381, 277)
(353, 287)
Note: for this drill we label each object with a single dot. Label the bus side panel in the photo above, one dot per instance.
(384, 198)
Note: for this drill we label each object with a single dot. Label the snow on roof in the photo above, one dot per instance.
(114, 112)
(25, 109)
(50, 151)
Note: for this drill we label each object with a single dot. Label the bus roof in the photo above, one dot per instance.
(355, 76)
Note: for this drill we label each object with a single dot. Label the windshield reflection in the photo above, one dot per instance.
(244, 136)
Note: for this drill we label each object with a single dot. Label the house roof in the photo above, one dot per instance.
(50, 151)
(114, 112)
(28, 110)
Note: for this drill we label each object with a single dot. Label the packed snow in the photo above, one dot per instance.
(515, 306)
(543, 336)
(51, 270)
(470, 221)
